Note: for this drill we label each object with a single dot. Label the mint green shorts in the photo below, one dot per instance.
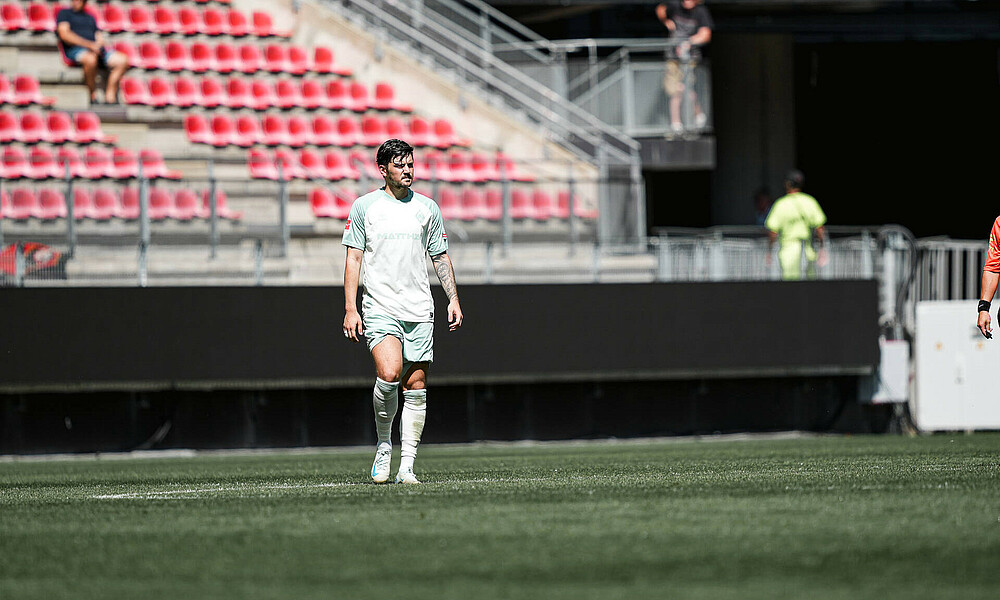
(417, 339)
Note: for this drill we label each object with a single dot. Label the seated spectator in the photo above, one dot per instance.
(84, 45)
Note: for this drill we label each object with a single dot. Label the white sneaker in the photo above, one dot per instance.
(700, 120)
(380, 468)
(406, 477)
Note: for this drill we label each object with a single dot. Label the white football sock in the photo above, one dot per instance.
(385, 401)
(411, 426)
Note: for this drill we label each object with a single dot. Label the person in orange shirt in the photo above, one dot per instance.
(991, 275)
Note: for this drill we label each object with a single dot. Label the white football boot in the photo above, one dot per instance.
(406, 477)
(380, 468)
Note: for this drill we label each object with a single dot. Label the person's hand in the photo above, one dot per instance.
(352, 326)
(822, 257)
(984, 324)
(455, 316)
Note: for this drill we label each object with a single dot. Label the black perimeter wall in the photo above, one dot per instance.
(110, 369)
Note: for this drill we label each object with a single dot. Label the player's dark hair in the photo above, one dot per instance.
(391, 150)
(795, 179)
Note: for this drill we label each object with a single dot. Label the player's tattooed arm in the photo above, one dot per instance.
(446, 274)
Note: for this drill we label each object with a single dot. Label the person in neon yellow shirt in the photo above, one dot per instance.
(792, 220)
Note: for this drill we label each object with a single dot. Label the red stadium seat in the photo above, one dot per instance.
(42, 164)
(223, 130)
(494, 205)
(60, 127)
(372, 131)
(263, 26)
(165, 21)
(323, 62)
(543, 203)
(262, 94)
(140, 20)
(106, 205)
(15, 163)
(311, 94)
(41, 17)
(562, 207)
(161, 204)
(197, 129)
(299, 131)
(186, 92)
(443, 135)
(151, 56)
(129, 208)
(28, 91)
(520, 204)
(357, 98)
(508, 169)
(288, 94)
(13, 17)
(349, 132)
(23, 205)
(114, 19)
(276, 59)
(289, 163)
(362, 160)
(298, 60)
(222, 209)
(212, 92)
(435, 165)
(88, 129)
(385, 99)
(484, 168)
(473, 204)
(154, 167)
(250, 59)
(202, 57)
(134, 91)
(274, 130)
(10, 127)
(124, 164)
(188, 20)
(97, 163)
(33, 128)
(238, 93)
(261, 165)
(51, 205)
(336, 94)
(161, 93)
(4, 202)
(187, 206)
(324, 131)
(213, 22)
(338, 167)
(420, 132)
(322, 202)
(461, 167)
(450, 203)
(71, 156)
(226, 58)
(177, 56)
(83, 204)
(131, 53)
(247, 131)
(312, 164)
(395, 127)
(239, 25)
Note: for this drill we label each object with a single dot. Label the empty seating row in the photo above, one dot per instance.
(24, 90)
(40, 17)
(104, 204)
(54, 127)
(259, 94)
(466, 204)
(223, 57)
(333, 165)
(97, 162)
(273, 129)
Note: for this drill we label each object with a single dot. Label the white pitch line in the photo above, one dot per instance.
(213, 490)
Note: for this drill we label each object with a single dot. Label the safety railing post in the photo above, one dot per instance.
(506, 222)
(258, 262)
(283, 209)
(144, 235)
(19, 264)
(70, 213)
(213, 211)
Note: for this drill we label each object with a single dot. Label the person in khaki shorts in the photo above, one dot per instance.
(690, 24)
(392, 230)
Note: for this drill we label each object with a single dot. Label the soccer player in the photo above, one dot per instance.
(991, 275)
(391, 230)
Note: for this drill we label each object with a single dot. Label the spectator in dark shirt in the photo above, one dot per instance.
(85, 46)
(690, 24)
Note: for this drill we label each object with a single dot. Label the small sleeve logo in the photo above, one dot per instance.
(347, 227)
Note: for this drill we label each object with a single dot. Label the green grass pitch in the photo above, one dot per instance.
(802, 517)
